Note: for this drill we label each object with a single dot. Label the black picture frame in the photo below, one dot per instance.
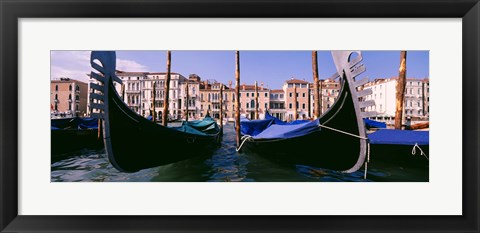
(11, 11)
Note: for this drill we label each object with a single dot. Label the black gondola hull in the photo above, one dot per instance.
(134, 143)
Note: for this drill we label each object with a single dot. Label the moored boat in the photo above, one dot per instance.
(337, 140)
(72, 134)
(132, 142)
(401, 147)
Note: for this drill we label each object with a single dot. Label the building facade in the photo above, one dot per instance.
(277, 104)
(248, 98)
(416, 101)
(299, 109)
(68, 97)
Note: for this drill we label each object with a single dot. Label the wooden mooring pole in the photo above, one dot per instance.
(316, 93)
(294, 101)
(237, 95)
(123, 92)
(221, 108)
(401, 82)
(100, 129)
(167, 90)
(187, 101)
(154, 93)
(256, 100)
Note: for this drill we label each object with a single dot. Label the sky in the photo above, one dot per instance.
(272, 68)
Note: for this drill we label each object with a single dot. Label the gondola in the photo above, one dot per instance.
(132, 142)
(72, 134)
(407, 148)
(337, 140)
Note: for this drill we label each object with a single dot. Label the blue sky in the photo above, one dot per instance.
(270, 67)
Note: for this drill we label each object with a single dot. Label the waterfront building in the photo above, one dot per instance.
(210, 98)
(247, 101)
(138, 93)
(68, 97)
(416, 101)
(302, 105)
(193, 102)
(277, 104)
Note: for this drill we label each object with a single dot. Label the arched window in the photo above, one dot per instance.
(70, 87)
(56, 87)
(69, 96)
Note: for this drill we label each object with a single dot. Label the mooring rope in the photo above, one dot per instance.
(244, 138)
(414, 151)
(341, 131)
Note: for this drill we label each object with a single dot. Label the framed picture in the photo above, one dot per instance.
(37, 196)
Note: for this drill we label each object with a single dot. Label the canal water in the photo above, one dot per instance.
(224, 165)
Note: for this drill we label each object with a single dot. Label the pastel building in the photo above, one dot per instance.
(300, 108)
(68, 97)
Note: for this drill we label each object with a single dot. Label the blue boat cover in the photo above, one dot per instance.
(374, 124)
(199, 127)
(399, 137)
(254, 127)
(74, 123)
(288, 131)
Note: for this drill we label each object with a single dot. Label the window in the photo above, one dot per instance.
(290, 94)
(266, 94)
(77, 97)
(56, 97)
(266, 105)
(303, 106)
(70, 87)
(70, 96)
(290, 105)
(419, 91)
(281, 96)
(77, 88)
(418, 104)
(296, 94)
(56, 89)
(252, 104)
(247, 94)
(56, 106)
(303, 94)
(247, 105)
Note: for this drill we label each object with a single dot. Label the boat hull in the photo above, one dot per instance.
(323, 148)
(134, 143)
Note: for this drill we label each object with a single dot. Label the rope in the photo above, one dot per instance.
(414, 151)
(244, 138)
(366, 162)
(340, 131)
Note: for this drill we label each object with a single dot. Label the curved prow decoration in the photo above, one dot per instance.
(349, 68)
(99, 92)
